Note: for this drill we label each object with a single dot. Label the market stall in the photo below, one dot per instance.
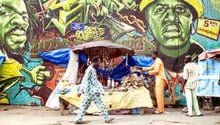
(209, 65)
(115, 100)
(113, 74)
(208, 88)
(130, 95)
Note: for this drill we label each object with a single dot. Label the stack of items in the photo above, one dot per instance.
(132, 81)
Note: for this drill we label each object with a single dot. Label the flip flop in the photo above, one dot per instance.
(156, 112)
(80, 122)
(109, 120)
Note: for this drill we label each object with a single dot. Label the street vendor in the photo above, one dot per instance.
(92, 90)
(158, 70)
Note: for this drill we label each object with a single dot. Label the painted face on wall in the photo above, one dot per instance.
(169, 22)
(13, 25)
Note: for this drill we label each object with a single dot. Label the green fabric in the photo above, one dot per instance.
(182, 101)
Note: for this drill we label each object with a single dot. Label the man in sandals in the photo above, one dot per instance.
(190, 75)
(92, 90)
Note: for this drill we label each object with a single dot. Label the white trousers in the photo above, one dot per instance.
(192, 102)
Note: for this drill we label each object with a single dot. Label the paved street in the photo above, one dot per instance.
(27, 115)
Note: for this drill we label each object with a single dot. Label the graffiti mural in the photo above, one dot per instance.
(14, 46)
(173, 27)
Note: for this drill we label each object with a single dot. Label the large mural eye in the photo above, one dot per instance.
(25, 17)
(180, 9)
(3, 12)
(161, 9)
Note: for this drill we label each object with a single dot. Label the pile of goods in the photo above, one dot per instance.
(132, 81)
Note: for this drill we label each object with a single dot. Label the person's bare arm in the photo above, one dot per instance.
(148, 68)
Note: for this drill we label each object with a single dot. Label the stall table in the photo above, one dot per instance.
(133, 98)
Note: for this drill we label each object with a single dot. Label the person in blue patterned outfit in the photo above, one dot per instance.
(92, 90)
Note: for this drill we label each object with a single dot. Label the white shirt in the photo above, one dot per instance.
(191, 74)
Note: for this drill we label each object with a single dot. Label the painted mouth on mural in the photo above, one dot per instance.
(17, 35)
(171, 31)
(17, 38)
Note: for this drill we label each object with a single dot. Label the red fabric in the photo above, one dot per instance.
(209, 54)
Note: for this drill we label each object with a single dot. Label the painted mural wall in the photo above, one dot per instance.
(173, 27)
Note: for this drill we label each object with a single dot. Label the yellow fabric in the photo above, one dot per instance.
(159, 92)
(10, 68)
(139, 97)
(196, 4)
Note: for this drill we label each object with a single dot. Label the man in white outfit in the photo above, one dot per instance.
(190, 75)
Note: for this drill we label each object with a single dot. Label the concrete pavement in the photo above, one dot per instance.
(28, 115)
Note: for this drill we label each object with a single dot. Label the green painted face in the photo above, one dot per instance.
(169, 22)
(13, 25)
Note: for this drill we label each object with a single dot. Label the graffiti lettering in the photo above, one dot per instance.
(90, 33)
(209, 28)
(207, 31)
(51, 44)
(84, 12)
(66, 16)
(208, 23)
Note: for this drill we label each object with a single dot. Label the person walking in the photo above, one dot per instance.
(92, 90)
(190, 75)
(158, 70)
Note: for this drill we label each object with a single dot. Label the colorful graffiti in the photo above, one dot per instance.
(173, 27)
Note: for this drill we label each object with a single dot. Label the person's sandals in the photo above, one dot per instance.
(189, 115)
(199, 115)
(109, 120)
(156, 112)
(80, 122)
